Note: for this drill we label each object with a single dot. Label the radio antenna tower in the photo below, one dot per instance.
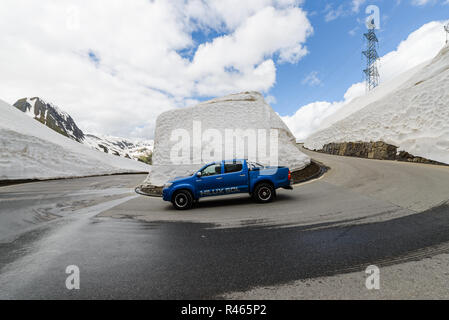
(446, 27)
(371, 71)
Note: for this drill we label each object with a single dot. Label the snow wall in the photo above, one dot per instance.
(235, 126)
(414, 117)
(31, 150)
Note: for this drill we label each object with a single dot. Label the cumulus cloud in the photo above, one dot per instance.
(420, 46)
(309, 118)
(115, 65)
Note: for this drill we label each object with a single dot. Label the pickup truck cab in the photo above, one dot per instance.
(227, 177)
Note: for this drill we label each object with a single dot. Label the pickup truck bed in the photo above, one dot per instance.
(227, 177)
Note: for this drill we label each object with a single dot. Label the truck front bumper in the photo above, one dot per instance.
(165, 194)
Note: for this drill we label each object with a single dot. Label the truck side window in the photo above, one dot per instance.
(211, 170)
(230, 167)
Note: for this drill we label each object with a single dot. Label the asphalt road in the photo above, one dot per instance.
(338, 224)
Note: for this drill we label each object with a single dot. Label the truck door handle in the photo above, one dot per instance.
(242, 175)
(219, 178)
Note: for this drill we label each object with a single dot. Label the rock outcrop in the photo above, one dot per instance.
(51, 116)
(373, 150)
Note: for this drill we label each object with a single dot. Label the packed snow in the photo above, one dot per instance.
(130, 148)
(60, 121)
(30, 150)
(414, 116)
(209, 123)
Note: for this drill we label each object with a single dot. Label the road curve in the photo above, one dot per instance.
(337, 224)
(413, 186)
(353, 191)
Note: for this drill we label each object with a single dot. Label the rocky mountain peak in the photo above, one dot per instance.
(51, 116)
(61, 122)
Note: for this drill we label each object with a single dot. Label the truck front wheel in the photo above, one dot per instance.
(182, 200)
(264, 192)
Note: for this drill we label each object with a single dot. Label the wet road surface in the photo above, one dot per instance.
(130, 259)
(125, 258)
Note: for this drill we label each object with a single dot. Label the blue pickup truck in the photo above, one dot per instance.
(227, 177)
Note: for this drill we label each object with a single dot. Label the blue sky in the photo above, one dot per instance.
(335, 52)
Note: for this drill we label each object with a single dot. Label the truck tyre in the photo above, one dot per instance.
(182, 200)
(264, 193)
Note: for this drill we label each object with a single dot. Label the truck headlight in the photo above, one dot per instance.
(168, 185)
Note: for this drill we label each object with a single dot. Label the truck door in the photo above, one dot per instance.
(235, 178)
(211, 181)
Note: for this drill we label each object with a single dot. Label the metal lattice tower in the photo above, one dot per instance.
(371, 71)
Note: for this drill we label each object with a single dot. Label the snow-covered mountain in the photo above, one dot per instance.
(50, 115)
(31, 150)
(134, 149)
(53, 117)
(414, 116)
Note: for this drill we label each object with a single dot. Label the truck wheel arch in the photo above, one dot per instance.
(262, 181)
(181, 189)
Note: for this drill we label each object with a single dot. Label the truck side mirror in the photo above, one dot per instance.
(198, 174)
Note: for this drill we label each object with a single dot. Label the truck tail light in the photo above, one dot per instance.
(289, 175)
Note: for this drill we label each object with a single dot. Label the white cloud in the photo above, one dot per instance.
(271, 99)
(312, 79)
(141, 68)
(308, 118)
(422, 2)
(332, 13)
(353, 32)
(420, 46)
(356, 4)
(344, 9)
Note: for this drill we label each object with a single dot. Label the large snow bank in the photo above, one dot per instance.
(30, 150)
(240, 113)
(413, 117)
(372, 96)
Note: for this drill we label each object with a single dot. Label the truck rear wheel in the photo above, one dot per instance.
(182, 200)
(264, 192)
